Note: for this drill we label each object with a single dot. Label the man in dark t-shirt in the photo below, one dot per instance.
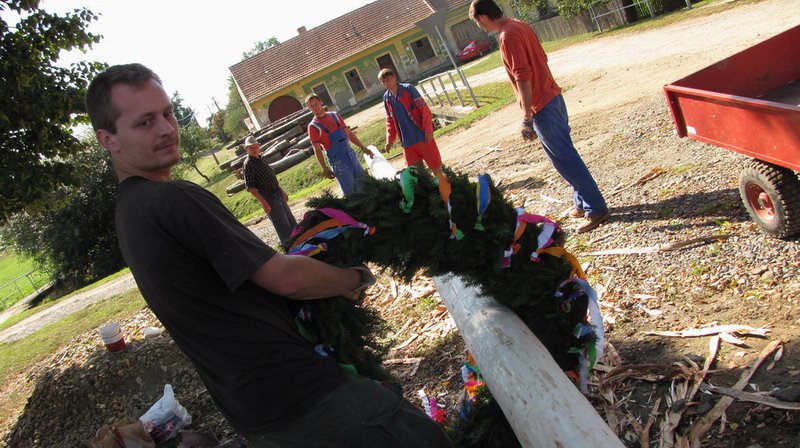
(262, 183)
(222, 293)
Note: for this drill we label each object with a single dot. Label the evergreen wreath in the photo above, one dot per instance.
(407, 227)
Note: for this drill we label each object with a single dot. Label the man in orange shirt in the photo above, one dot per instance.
(545, 114)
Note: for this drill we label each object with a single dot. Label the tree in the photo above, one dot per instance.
(40, 101)
(260, 46)
(74, 236)
(235, 113)
(184, 114)
(565, 8)
(194, 139)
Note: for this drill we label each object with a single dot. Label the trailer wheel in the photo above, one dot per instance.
(771, 195)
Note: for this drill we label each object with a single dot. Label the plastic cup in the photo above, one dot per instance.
(112, 337)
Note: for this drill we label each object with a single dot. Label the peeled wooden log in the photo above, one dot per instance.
(278, 167)
(543, 406)
(302, 143)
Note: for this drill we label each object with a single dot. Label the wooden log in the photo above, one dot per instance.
(543, 406)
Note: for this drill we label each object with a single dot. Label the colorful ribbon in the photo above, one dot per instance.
(344, 218)
(330, 228)
(444, 191)
(408, 183)
(484, 196)
(591, 350)
(543, 240)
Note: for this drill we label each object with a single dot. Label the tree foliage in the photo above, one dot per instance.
(39, 101)
(260, 46)
(235, 113)
(565, 8)
(74, 236)
(194, 139)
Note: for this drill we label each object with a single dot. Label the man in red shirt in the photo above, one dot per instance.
(543, 108)
(328, 132)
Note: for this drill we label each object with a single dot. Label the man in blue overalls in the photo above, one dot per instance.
(328, 131)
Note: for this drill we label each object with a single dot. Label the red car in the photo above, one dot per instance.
(473, 50)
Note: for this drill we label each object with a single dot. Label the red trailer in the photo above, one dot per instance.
(750, 103)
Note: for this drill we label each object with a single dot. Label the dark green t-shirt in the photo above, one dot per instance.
(191, 259)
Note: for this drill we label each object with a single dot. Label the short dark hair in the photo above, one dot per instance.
(101, 110)
(486, 8)
(385, 73)
(312, 96)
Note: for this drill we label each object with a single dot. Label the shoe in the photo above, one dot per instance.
(576, 213)
(592, 222)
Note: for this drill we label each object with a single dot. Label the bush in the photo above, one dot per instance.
(73, 235)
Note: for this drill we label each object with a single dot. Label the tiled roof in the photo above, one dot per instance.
(320, 47)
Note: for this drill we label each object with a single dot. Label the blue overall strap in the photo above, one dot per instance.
(321, 127)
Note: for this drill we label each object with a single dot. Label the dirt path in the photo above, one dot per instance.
(66, 307)
(605, 74)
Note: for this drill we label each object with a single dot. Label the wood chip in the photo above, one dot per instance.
(675, 245)
(703, 424)
(760, 398)
(741, 330)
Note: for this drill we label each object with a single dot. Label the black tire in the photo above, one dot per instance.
(771, 194)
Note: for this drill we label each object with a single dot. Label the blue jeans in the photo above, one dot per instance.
(552, 126)
(361, 413)
(281, 215)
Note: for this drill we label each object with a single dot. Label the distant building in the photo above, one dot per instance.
(339, 60)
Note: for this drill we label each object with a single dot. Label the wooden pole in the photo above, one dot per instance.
(543, 406)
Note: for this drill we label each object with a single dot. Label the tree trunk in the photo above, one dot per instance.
(543, 406)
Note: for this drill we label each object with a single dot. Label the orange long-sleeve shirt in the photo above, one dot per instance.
(525, 59)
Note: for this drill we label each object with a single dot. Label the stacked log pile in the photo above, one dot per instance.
(284, 144)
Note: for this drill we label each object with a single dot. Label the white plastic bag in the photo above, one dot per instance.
(166, 417)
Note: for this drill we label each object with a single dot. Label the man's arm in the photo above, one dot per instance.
(352, 137)
(391, 130)
(267, 207)
(525, 91)
(303, 278)
(425, 112)
(326, 171)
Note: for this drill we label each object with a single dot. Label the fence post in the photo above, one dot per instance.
(436, 92)
(594, 19)
(455, 87)
(653, 11)
(425, 92)
(444, 90)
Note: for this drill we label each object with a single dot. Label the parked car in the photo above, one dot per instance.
(473, 50)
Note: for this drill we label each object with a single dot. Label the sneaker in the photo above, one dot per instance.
(576, 213)
(592, 222)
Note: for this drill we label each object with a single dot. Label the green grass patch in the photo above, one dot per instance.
(20, 355)
(48, 303)
(492, 97)
(14, 283)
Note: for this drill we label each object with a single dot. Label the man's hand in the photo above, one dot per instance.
(327, 173)
(267, 207)
(356, 295)
(429, 137)
(388, 147)
(526, 129)
(366, 150)
(285, 196)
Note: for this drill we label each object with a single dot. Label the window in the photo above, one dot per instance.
(322, 92)
(354, 80)
(422, 49)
